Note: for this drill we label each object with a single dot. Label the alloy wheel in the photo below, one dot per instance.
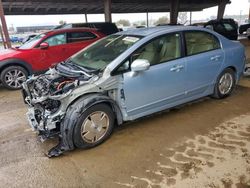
(14, 78)
(225, 83)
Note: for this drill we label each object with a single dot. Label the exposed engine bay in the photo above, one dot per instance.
(57, 81)
(49, 95)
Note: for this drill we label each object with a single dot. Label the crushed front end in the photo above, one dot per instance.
(48, 97)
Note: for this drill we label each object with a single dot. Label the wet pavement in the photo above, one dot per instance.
(201, 144)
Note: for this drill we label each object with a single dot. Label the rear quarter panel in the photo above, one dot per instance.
(234, 56)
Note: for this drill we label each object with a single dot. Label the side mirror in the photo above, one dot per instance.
(44, 45)
(140, 65)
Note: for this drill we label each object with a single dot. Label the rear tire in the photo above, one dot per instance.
(12, 77)
(225, 84)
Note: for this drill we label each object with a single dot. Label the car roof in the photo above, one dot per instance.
(226, 20)
(72, 29)
(106, 23)
(153, 30)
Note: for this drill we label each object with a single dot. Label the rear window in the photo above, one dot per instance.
(199, 42)
(80, 36)
(105, 28)
(228, 27)
(219, 28)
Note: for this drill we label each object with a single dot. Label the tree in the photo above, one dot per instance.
(142, 22)
(123, 22)
(61, 22)
(182, 16)
(162, 20)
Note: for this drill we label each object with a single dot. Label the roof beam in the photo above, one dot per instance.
(43, 7)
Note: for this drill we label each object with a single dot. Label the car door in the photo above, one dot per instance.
(78, 40)
(55, 53)
(163, 84)
(203, 62)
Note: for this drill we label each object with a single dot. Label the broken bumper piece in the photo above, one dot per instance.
(44, 133)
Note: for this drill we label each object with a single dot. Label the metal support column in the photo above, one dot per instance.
(174, 10)
(147, 19)
(221, 9)
(249, 12)
(4, 26)
(190, 19)
(86, 17)
(2, 37)
(107, 10)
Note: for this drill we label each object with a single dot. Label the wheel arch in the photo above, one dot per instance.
(92, 99)
(82, 103)
(235, 72)
(15, 62)
(233, 68)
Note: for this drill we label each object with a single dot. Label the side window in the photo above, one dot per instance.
(56, 40)
(80, 36)
(160, 50)
(219, 28)
(163, 49)
(228, 27)
(198, 42)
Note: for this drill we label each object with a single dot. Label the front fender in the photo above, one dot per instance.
(96, 98)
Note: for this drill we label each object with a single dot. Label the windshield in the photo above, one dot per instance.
(30, 43)
(103, 52)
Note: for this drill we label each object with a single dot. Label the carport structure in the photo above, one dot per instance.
(49, 7)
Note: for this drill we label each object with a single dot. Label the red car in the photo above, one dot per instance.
(38, 54)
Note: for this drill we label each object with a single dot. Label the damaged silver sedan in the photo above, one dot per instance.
(126, 76)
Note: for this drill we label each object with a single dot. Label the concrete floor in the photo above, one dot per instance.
(202, 144)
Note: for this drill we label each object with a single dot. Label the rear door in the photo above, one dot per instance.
(204, 59)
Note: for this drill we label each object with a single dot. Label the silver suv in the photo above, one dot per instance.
(126, 76)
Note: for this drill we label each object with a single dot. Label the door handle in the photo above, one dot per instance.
(176, 68)
(215, 58)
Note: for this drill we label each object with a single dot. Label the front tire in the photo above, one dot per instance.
(94, 126)
(12, 77)
(225, 84)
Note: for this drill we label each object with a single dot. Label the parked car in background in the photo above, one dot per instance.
(169, 24)
(226, 27)
(15, 39)
(248, 33)
(243, 28)
(198, 24)
(247, 70)
(140, 26)
(41, 52)
(104, 27)
(126, 76)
